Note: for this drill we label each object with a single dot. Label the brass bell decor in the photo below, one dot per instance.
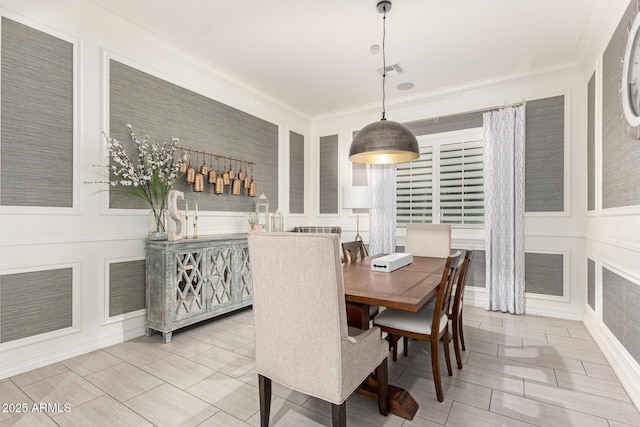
(203, 168)
(191, 174)
(211, 176)
(231, 175)
(225, 176)
(241, 174)
(235, 187)
(218, 189)
(183, 165)
(198, 183)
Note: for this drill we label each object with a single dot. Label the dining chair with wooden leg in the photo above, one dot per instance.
(455, 314)
(430, 240)
(429, 324)
(301, 336)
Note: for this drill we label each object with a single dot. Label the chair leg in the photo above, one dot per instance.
(456, 341)
(405, 351)
(394, 345)
(264, 385)
(461, 332)
(382, 378)
(436, 369)
(339, 414)
(447, 354)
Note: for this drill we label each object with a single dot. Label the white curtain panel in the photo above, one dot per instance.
(504, 208)
(382, 215)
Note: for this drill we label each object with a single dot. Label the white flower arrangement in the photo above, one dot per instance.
(152, 176)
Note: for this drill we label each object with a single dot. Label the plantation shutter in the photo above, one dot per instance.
(414, 190)
(461, 183)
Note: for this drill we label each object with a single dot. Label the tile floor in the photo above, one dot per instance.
(518, 371)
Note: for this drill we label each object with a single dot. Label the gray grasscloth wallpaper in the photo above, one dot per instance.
(620, 152)
(164, 110)
(591, 143)
(36, 153)
(34, 303)
(544, 273)
(127, 286)
(329, 174)
(621, 310)
(296, 173)
(544, 155)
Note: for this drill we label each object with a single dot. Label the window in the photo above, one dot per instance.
(446, 179)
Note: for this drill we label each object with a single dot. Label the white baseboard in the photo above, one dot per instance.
(477, 297)
(40, 359)
(623, 364)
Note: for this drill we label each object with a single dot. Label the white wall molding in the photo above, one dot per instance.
(622, 363)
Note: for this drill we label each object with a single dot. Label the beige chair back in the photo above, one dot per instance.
(300, 312)
(433, 240)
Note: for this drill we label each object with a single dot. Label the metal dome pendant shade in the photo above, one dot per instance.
(384, 142)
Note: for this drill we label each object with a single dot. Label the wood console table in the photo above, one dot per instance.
(195, 279)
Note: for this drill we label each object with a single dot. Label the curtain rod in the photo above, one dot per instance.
(479, 110)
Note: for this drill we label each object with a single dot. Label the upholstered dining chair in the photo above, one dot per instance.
(351, 251)
(432, 240)
(301, 335)
(429, 324)
(455, 312)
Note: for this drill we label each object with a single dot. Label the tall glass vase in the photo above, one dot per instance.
(158, 224)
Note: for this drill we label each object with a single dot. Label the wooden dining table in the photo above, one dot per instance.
(408, 288)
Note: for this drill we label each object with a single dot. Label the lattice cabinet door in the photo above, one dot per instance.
(189, 286)
(219, 277)
(245, 281)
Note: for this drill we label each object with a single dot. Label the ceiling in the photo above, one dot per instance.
(314, 55)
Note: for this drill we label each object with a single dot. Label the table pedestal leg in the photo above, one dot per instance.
(401, 403)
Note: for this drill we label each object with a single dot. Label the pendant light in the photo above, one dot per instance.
(385, 141)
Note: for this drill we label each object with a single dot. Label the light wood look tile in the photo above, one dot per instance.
(512, 367)
(39, 374)
(124, 381)
(222, 419)
(167, 405)
(517, 370)
(583, 402)
(225, 361)
(540, 413)
(138, 352)
(542, 357)
(597, 370)
(12, 394)
(287, 414)
(178, 371)
(67, 387)
(597, 386)
(228, 394)
(101, 412)
(465, 416)
(91, 362)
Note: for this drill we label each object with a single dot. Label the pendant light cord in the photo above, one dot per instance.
(384, 60)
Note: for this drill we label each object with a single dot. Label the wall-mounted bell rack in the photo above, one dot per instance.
(218, 178)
